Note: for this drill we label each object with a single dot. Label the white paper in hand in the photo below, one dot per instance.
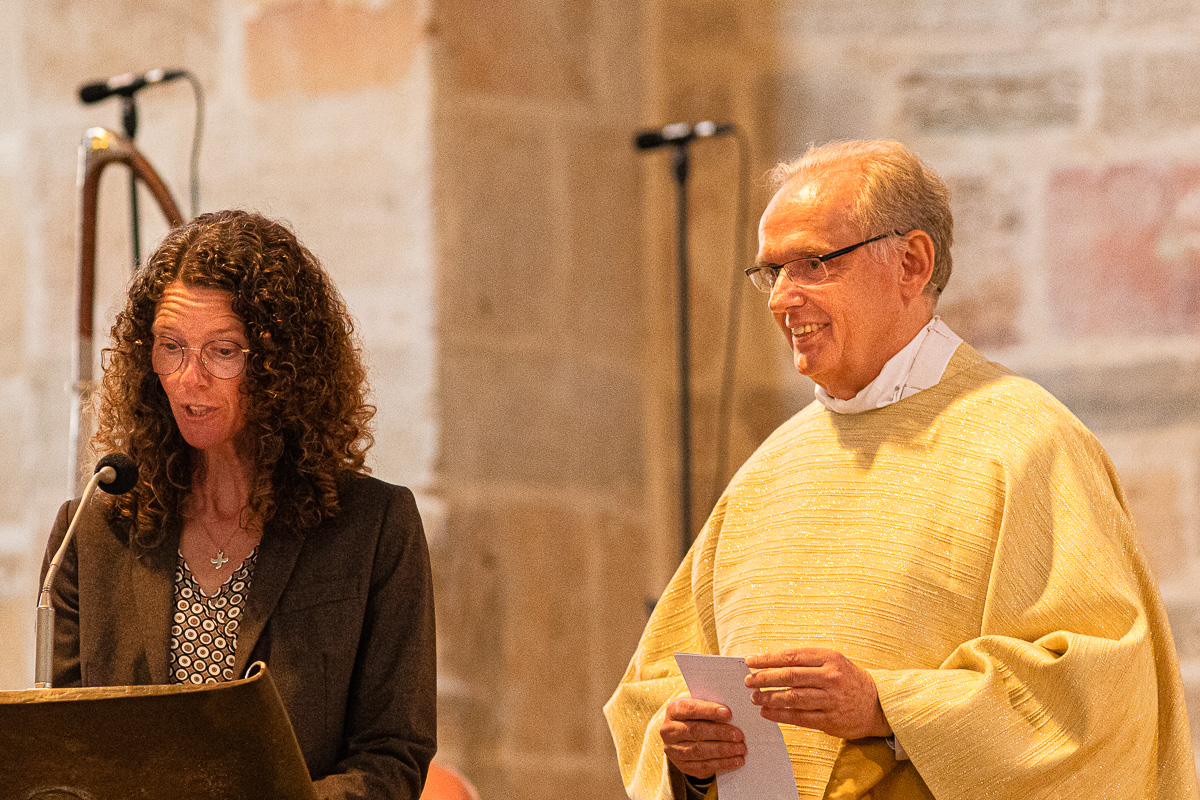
(767, 773)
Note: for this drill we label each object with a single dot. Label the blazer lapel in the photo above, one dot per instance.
(153, 573)
(277, 554)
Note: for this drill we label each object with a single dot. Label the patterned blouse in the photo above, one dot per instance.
(204, 628)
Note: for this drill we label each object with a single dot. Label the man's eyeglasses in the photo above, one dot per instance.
(223, 359)
(807, 271)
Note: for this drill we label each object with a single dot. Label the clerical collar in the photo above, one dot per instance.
(918, 366)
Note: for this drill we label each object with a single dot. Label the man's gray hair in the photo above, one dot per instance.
(898, 192)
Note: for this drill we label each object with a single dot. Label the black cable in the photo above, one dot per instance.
(736, 290)
(194, 168)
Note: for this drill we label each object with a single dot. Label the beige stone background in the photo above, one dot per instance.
(464, 169)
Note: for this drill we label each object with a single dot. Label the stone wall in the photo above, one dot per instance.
(540, 375)
(504, 343)
(465, 171)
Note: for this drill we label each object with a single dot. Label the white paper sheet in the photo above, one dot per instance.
(767, 773)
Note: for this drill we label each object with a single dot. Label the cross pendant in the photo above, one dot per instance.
(220, 560)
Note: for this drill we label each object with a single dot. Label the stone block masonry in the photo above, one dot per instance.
(1123, 249)
(464, 170)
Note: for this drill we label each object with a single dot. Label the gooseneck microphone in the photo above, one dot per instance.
(126, 85)
(116, 473)
(680, 133)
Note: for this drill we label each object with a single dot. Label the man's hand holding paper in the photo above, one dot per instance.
(698, 738)
(817, 688)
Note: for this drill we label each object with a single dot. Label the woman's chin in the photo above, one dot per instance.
(205, 440)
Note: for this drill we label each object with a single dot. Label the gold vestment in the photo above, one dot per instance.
(970, 547)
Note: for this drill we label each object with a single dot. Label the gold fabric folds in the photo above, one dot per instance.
(970, 546)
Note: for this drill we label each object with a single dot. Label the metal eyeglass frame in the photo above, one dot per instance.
(770, 272)
(203, 359)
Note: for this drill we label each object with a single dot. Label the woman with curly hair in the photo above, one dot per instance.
(253, 532)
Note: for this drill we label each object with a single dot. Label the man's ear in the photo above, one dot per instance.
(916, 264)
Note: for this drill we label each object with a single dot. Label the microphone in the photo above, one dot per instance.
(116, 473)
(680, 133)
(125, 85)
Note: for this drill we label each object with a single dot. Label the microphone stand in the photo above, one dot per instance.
(677, 135)
(44, 649)
(129, 118)
(680, 168)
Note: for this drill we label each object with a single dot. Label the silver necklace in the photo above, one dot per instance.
(221, 559)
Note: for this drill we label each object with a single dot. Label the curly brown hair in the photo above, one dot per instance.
(306, 412)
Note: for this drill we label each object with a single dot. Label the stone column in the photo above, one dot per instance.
(540, 388)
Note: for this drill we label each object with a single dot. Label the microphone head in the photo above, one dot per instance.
(126, 473)
(94, 92)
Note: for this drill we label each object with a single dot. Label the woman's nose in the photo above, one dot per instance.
(192, 369)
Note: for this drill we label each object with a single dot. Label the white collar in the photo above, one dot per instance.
(918, 366)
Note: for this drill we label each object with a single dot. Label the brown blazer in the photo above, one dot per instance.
(342, 615)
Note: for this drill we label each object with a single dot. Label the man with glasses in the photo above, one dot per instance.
(930, 570)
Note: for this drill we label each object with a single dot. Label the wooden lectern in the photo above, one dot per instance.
(215, 741)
